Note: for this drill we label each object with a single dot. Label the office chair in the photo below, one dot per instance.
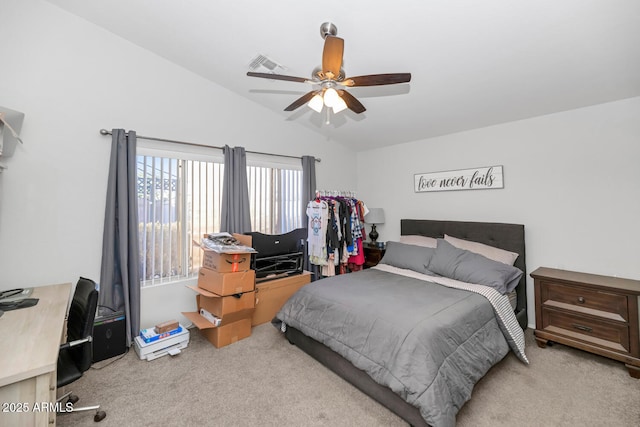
(75, 355)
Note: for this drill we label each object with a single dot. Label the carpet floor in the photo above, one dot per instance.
(264, 381)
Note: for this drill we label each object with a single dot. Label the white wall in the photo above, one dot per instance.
(71, 79)
(572, 178)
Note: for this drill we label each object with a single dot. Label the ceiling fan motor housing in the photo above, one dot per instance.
(317, 73)
(328, 29)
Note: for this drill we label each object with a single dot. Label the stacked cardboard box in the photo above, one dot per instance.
(226, 290)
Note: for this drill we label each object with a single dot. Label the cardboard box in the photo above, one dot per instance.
(228, 262)
(169, 325)
(228, 334)
(224, 284)
(235, 314)
(220, 306)
(234, 327)
(271, 295)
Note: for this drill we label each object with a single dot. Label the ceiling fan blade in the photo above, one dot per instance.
(351, 101)
(377, 79)
(301, 101)
(332, 56)
(278, 77)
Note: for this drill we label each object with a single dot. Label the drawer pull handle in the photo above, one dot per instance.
(582, 328)
(581, 300)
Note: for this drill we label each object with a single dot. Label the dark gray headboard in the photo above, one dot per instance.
(509, 237)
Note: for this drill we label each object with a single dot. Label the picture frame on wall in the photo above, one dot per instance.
(482, 178)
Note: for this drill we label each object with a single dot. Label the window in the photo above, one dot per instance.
(275, 199)
(179, 200)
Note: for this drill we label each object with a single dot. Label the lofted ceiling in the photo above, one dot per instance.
(473, 63)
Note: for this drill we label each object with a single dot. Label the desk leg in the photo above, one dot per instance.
(43, 394)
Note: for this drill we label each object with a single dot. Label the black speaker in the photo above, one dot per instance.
(109, 336)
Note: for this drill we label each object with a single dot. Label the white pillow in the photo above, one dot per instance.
(487, 251)
(427, 242)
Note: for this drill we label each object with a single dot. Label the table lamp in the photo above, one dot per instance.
(373, 217)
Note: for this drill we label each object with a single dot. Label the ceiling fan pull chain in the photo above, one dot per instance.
(328, 121)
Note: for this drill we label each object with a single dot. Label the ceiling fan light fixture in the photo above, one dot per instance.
(331, 97)
(339, 105)
(316, 103)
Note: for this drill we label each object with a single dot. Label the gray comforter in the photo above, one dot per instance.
(429, 343)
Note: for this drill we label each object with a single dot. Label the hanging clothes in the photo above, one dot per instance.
(318, 214)
(336, 233)
(356, 260)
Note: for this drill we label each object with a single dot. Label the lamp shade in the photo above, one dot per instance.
(316, 103)
(374, 216)
(339, 105)
(331, 97)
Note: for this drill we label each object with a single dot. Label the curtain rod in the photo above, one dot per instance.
(193, 144)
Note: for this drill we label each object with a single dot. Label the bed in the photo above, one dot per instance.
(403, 338)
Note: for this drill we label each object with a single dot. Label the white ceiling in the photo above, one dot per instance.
(473, 63)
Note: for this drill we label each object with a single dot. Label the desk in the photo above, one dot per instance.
(29, 357)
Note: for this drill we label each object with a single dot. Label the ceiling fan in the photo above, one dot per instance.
(330, 78)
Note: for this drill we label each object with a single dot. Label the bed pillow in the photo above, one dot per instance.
(487, 251)
(467, 266)
(406, 256)
(425, 241)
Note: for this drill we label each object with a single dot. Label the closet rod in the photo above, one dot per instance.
(193, 144)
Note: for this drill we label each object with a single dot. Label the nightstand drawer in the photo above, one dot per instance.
(580, 299)
(610, 335)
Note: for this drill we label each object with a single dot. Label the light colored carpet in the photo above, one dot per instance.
(265, 381)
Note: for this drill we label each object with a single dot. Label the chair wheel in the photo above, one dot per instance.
(73, 399)
(99, 416)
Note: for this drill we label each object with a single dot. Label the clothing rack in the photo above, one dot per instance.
(335, 193)
(335, 232)
(193, 144)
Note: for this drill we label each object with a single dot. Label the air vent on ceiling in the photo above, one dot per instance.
(268, 64)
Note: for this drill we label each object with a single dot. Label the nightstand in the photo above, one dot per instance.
(372, 254)
(594, 313)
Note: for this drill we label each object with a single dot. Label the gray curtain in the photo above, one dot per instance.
(119, 274)
(308, 193)
(308, 181)
(235, 215)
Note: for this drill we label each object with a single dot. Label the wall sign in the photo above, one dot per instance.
(464, 179)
